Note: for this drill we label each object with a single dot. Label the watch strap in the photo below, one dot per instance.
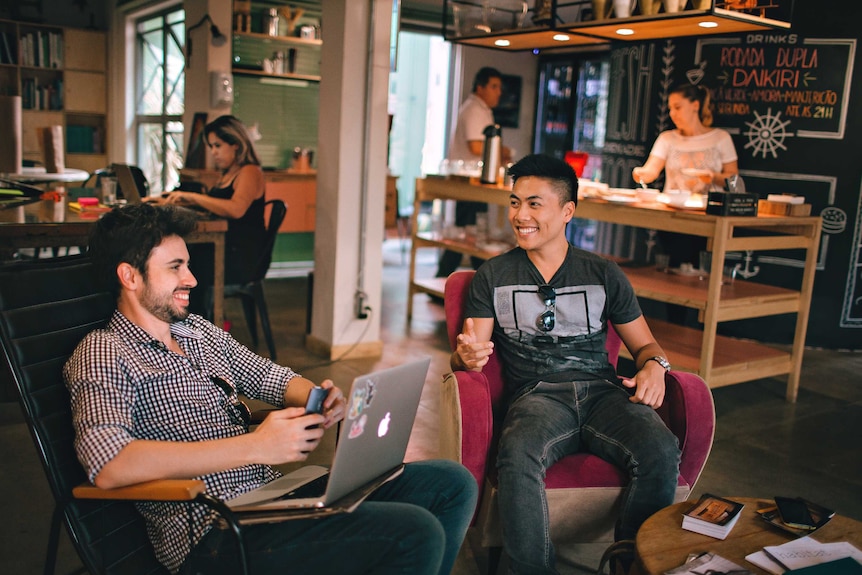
(660, 360)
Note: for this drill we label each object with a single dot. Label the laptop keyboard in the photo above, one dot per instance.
(314, 488)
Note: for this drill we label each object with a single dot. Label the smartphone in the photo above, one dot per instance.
(794, 513)
(314, 403)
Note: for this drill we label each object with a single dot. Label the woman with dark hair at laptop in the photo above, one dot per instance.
(238, 196)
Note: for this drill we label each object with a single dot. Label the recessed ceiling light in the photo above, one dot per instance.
(708, 24)
(501, 42)
(561, 37)
(625, 31)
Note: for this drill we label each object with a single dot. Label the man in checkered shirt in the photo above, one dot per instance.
(154, 396)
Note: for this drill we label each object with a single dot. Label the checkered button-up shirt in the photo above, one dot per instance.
(125, 386)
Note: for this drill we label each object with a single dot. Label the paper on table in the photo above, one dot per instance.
(801, 553)
(762, 560)
(708, 563)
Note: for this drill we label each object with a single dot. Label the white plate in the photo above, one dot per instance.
(684, 201)
(617, 199)
(689, 205)
(622, 192)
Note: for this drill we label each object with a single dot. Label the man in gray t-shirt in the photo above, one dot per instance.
(544, 307)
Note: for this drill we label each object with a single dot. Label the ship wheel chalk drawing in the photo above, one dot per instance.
(766, 134)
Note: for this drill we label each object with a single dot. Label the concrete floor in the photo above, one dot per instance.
(763, 445)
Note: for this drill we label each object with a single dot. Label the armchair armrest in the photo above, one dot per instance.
(468, 437)
(689, 412)
(158, 490)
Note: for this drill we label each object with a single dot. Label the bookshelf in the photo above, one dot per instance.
(60, 74)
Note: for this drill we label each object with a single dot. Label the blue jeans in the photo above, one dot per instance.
(556, 419)
(412, 525)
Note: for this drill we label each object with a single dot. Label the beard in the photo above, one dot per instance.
(163, 306)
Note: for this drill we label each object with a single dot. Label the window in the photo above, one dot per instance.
(160, 97)
(418, 92)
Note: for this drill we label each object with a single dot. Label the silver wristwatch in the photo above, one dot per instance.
(659, 360)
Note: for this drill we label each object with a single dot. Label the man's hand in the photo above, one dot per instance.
(287, 435)
(471, 353)
(648, 384)
(334, 406)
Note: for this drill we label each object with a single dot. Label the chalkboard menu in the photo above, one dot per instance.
(771, 87)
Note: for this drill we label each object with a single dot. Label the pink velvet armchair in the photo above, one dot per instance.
(583, 490)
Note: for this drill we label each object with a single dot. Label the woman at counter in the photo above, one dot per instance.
(238, 196)
(694, 156)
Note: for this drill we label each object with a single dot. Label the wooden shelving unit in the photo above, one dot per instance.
(719, 360)
(561, 31)
(61, 83)
(250, 48)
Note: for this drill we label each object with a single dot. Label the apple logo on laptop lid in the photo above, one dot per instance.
(383, 426)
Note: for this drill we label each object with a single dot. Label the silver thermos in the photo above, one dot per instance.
(491, 154)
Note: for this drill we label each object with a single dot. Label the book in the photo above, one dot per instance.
(845, 566)
(712, 515)
(708, 563)
(821, 516)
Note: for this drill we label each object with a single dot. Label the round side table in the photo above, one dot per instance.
(662, 544)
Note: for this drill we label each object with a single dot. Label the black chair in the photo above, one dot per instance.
(46, 308)
(251, 293)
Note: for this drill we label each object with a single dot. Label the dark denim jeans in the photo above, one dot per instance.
(412, 525)
(556, 419)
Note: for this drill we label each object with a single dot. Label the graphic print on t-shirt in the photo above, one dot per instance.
(577, 310)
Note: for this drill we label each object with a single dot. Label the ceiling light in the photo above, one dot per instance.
(501, 43)
(708, 24)
(561, 37)
(625, 31)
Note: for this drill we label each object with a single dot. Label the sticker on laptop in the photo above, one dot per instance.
(363, 395)
(357, 428)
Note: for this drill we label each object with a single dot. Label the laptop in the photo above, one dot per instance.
(132, 188)
(370, 450)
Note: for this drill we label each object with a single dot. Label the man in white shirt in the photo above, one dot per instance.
(467, 144)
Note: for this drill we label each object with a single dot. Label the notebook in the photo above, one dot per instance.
(371, 446)
(14, 194)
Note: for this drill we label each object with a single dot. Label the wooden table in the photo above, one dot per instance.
(663, 544)
(46, 223)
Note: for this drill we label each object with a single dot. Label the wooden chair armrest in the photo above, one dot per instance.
(157, 490)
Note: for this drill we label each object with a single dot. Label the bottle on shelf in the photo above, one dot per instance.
(270, 22)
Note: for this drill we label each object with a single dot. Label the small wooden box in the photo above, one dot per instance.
(783, 208)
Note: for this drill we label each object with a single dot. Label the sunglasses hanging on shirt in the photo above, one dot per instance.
(238, 410)
(548, 318)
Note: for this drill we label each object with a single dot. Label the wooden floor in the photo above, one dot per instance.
(763, 445)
